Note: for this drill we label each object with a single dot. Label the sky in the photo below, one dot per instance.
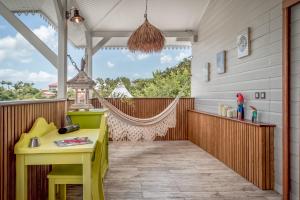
(19, 61)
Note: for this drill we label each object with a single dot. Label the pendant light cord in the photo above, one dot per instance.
(146, 10)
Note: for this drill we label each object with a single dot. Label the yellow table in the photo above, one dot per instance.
(50, 154)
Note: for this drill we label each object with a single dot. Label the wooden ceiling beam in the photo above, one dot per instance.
(177, 34)
(100, 44)
(58, 9)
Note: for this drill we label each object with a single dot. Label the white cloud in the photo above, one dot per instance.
(16, 48)
(142, 56)
(26, 60)
(181, 56)
(165, 59)
(48, 35)
(2, 54)
(110, 64)
(134, 56)
(27, 76)
(41, 76)
(131, 57)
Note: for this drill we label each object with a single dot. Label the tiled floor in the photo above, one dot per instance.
(172, 170)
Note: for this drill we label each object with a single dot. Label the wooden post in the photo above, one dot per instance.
(62, 52)
(89, 60)
(287, 4)
(89, 52)
(286, 107)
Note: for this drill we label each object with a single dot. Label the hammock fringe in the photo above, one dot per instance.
(125, 127)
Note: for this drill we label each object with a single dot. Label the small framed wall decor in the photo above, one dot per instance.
(221, 61)
(243, 44)
(205, 72)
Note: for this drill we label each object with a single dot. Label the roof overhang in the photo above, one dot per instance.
(110, 22)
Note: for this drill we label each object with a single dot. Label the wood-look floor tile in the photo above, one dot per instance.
(174, 170)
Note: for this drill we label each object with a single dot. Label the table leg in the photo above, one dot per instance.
(62, 191)
(87, 176)
(21, 178)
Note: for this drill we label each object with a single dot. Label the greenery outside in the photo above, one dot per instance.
(167, 83)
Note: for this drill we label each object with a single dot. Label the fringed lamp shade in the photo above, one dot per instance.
(147, 38)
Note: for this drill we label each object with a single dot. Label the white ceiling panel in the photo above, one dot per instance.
(121, 15)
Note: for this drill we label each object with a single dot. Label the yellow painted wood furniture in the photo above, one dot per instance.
(87, 119)
(72, 174)
(49, 154)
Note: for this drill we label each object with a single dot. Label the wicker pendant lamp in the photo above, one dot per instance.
(147, 38)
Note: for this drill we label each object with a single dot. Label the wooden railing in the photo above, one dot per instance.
(245, 147)
(148, 107)
(17, 118)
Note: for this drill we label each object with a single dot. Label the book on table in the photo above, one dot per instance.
(73, 141)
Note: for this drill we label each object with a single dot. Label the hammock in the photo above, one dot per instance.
(124, 127)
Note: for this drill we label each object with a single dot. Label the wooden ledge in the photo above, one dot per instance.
(235, 119)
(22, 102)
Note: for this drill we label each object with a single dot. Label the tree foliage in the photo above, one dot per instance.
(106, 86)
(18, 91)
(167, 83)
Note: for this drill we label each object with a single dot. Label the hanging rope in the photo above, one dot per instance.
(146, 10)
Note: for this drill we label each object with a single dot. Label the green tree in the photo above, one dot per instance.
(106, 86)
(6, 95)
(167, 83)
(18, 91)
(7, 83)
(25, 90)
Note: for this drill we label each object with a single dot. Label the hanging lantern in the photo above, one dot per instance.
(76, 18)
(81, 84)
(147, 38)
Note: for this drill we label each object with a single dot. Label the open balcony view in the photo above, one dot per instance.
(149, 99)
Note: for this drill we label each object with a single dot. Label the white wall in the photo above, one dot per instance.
(295, 99)
(261, 71)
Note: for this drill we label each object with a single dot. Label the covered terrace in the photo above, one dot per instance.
(207, 155)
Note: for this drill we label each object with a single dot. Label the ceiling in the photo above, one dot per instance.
(121, 15)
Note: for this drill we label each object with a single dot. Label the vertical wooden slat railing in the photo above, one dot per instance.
(245, 147)
(17, 118)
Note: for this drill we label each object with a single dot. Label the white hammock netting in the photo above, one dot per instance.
(125, 127)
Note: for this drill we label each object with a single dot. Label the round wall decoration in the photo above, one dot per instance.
(243, 46)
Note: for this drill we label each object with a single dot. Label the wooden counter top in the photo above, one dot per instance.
(235, 119)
